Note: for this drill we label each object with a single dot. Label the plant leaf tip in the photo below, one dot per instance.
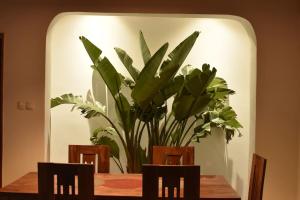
(197, 33)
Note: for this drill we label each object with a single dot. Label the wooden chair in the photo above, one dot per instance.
(93, 154)
(173, 178)
(257, 177)
(65, 183)
(160, 154)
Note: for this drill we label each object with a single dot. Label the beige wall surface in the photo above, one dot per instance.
(235, 61)
(276, 24)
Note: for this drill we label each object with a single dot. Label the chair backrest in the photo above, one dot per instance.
(60, 181)
(92, 154)
(177, 182)
(257, 177)
(160, 154)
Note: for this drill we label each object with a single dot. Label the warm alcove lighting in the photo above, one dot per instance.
(226, 42)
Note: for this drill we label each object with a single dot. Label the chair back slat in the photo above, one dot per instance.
(65, 177)
(160, 154)
(180, 182)
(92, 154)
(257, 177)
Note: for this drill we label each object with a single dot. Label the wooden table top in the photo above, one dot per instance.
(122, 186)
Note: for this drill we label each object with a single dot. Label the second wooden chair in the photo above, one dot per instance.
(93, 154)
(161, 154)
(257, 177)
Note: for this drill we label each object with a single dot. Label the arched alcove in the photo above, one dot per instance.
(226, 42)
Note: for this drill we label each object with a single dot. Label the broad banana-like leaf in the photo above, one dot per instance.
(144, 48)
(187, 105)
(146, 85)
(219, 89)
(107, 130)
(187, 69)
(179, 54)
(127, 62)
(93, 51)
(173, 86)
(107, 71)
(124, 112)
(227, 113)
(220, 93)
(99, 139)
(88, 109)
(229, 117)
(110, 75)
(182, 106)
(224, 118)
(98, 87)
(197, 81)
(218, 82)
(233, 123)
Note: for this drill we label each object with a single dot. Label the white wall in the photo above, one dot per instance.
(227, 43)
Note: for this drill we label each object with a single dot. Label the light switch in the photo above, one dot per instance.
(21, 105)
(29, 106)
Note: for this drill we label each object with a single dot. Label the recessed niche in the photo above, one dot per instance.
(225, 42)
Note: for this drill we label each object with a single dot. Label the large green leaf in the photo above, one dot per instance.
(88, 109)
(144, 48)
(185, 106)
(143, 91)
(200, 105)
(218, 82)
(93, 51)
(127, 62)
(197, 81)
(124, 112)
(220, 93)
(97, 139)
(98, 87)
(148, 85)
(219, 89)
(229, 116)
(173, 86)
(110, 76)
(179, 54)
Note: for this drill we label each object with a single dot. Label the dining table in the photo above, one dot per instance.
(118, 187)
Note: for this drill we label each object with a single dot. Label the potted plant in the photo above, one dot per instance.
(200, 102)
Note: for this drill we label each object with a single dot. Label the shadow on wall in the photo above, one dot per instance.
(239, 186)
(213, 158)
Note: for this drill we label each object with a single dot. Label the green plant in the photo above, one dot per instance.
(200, 102)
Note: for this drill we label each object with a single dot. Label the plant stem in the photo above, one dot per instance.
(186, 132)
(141, 133)
(170, 132)
(182, 127)
(149, 131)
(118, 133)
(137, 132)
(163, 130)
(118, 163)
